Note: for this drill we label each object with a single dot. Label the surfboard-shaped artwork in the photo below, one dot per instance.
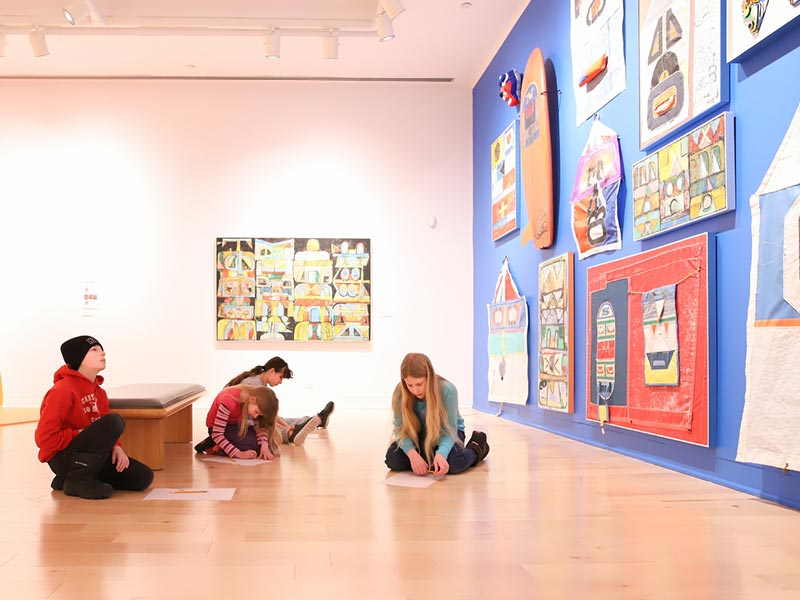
(536, 154)
(606, 351)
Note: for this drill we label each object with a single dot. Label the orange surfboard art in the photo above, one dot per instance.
(537, 155)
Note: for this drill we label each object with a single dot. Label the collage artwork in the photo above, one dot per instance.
(293, 289)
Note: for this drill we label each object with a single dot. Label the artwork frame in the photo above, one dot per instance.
(268, 290)
(556, 338)
(763, 20)
(617, 337)
(681, 74)
(685, 181)
(504, 182)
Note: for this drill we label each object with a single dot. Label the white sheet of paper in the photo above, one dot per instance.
(248, 462)
(408, 479)
(192, 494)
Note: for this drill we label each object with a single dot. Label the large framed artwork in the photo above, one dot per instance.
(650, 337)
(556, 346)
(750, 22)
(681, 75)
(686, 181)
(293, 289)
(504, 183)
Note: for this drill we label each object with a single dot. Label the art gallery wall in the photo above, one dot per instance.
(128, 184)
(764, 94)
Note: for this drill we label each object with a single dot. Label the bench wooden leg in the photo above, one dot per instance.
(143, 439)
(178, 427)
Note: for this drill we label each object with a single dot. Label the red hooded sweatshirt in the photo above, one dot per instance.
(72, 404)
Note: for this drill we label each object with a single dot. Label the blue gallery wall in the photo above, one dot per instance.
(764, 94)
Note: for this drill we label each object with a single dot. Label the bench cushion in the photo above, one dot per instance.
(151, 395)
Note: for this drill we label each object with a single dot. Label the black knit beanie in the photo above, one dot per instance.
(75, 349)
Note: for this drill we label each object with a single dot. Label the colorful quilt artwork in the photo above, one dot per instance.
(556, 347)
(296, 289)
(686, 181)
(633, 304)
(508, 342)
(660, 322)
(504, 183)
(597, 42)
(680, 64)
(750, 22)
(771, 415)
(595, 223)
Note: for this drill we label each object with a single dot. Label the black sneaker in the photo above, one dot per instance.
(479, 444)
(206, 444)
(57, 483)
(301, 430)
(325, 414)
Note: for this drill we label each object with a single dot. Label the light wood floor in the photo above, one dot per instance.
(544, 517)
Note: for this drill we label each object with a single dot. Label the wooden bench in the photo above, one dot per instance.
(155, 414)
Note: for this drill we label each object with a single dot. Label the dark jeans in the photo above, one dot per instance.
(460, 459)
(99, 438)
(248, 442)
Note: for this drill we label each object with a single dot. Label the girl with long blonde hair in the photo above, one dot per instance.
(428, 429)
(229, 427)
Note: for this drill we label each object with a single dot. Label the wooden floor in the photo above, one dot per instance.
(544, 517)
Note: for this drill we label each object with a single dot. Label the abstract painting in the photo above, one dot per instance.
(686, 181)
(634, 340)
(768, 434)
(508, 341)
(750, 22)
(556, 346)
(680, 64)
(504, 183)
(293, 289)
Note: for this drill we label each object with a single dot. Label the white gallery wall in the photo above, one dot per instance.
(128, 183)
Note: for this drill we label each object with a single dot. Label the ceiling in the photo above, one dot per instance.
(434, 39)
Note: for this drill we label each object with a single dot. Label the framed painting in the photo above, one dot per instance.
(750, 22)
(688, 180)
(504, 183)
(556, 334)
(650, 335)
(681, 75)
(293, 289)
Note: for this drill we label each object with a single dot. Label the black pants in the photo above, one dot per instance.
(100, 438)
(459, 458)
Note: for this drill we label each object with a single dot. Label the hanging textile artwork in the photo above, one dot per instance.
(771, 415)
(597, 43)
(508, 342)
(556, 310)
(595, 224)
(633, 307)
(293, 289)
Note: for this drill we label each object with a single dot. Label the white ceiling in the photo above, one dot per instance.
(435, 39)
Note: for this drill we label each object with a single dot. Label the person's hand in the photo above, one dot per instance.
(440, 465)
(418, 464)
(247, 454)
(119, 459)
(265, 453)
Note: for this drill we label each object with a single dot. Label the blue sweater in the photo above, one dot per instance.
(450, 401)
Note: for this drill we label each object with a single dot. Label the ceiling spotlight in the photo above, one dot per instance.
(75, 12)
(272, 44)
(38, 43)
(385, 29)
(392, 8)
(330, 46)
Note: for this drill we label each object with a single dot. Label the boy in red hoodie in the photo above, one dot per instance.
(77, 436)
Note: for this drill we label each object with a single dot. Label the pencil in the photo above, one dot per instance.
(189, 492)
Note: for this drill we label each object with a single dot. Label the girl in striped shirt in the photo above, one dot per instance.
(228, 425)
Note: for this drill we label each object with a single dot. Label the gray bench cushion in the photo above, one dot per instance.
(151, 395)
